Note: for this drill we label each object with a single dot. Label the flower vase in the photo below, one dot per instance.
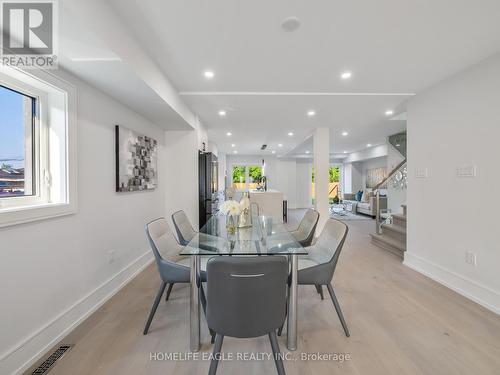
(245, 219)
(230, 224)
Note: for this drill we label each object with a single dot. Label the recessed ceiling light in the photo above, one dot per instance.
(235, 151)
(345, 134)
(368, 145)
(290, 24)
(307, 151)
(346, 75)
(345, 152)
(280, 145)
(273, 152)
(208, 74)
(389, 112)
(311, 113)
(290, 134)
(229, 134)
(222, 113)
(398, 145)
(233, 145)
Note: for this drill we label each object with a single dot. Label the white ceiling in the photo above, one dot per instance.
(257, 120)
(84, 54)
(391, 46)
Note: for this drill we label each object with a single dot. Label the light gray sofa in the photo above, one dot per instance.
(366, 208)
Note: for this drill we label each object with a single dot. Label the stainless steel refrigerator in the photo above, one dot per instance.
(208, 169)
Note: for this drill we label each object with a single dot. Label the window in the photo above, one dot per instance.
(254, 176)
(239, 177)
(334, 184)
(17, 144)
(247, 176)
(37, 146)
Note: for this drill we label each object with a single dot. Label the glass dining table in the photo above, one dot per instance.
(266, 236)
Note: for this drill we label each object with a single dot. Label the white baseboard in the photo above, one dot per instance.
(22, 356)
(468, 288)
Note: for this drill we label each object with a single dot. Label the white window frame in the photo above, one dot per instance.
(247, 173)
(39, 141)
(55, 185)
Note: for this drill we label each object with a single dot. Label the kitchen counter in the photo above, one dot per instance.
(270, 202)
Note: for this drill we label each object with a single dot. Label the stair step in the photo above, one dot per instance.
(397, 232)
(390, 244)
(394, 228)
(399, 220)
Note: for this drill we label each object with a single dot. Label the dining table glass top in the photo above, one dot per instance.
(266, 236)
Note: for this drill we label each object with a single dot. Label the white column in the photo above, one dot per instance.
(321, 142)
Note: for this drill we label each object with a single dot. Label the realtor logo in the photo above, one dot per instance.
(29, 34)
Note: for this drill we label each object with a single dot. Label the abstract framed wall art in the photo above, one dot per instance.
(375, 176)
(136, 161)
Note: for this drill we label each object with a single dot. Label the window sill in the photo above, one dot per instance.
(25, 214)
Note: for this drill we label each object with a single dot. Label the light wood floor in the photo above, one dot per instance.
(400, 321)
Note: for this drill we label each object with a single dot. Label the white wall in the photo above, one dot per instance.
(454, 124)
(353, 181)
(181, 174)
(303, 183)
(286, 180)
(54, 272)
(321, 162)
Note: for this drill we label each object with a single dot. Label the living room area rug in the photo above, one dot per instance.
(336, 212)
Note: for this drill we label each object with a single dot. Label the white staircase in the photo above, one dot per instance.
(393, 236)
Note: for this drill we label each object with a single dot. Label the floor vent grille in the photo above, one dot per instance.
(53, 358)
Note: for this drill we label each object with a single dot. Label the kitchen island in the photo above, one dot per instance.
(270, 202)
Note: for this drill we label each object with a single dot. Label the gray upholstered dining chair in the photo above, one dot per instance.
(183, 227)
(246, 298)
(304, 234)
(318, 267)
(171, 266)
(186, 233)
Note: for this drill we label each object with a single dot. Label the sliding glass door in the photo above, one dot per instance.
(334, 183)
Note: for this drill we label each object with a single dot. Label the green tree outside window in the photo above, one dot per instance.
(255, 173)
(238, 174)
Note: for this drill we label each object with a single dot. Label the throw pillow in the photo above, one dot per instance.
(366, 197)
(359, 195)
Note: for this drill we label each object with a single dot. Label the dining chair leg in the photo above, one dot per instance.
(276, 353)
(216, 354)
(169, 290)
(280, 330)
(203, 300)
(163, 285)
(319, 289)
(337, 308)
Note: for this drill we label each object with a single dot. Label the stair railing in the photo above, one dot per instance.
(376, 189)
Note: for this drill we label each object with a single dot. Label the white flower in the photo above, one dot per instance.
(230, 208)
